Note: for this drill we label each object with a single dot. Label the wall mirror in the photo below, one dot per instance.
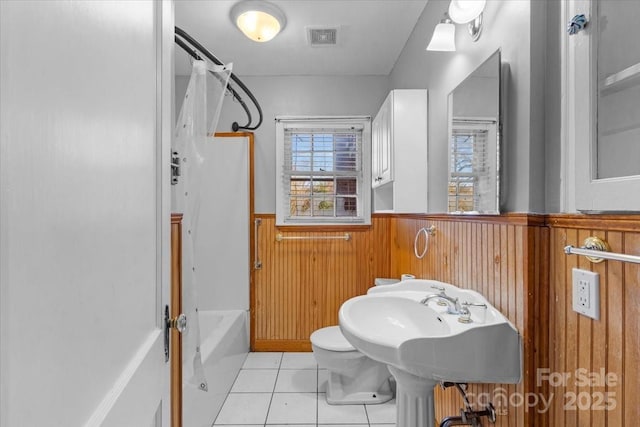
(474, 141)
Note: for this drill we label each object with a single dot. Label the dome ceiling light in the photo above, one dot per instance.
(259, 20)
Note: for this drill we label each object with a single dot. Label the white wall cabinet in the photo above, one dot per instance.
(601, 113)
(399, 153)
(382, 144)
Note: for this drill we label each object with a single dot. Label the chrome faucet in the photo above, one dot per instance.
(465, 313)
(453, 305)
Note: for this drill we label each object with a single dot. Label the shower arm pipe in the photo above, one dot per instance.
(198, 47)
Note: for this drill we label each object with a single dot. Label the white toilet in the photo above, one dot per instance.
(353, 378)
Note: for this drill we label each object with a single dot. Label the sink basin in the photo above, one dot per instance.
(426, 341)
(422, 285)
(378, 326)
(423, 344)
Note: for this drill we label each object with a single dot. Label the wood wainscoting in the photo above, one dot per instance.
(598, 359)
(517, 262)
(502, 257)
(302, 283)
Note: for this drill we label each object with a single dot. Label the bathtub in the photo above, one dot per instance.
(224, 347)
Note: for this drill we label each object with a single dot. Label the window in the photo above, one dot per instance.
(323, 166)
(471, 167)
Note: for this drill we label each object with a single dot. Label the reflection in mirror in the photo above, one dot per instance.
(474, 141)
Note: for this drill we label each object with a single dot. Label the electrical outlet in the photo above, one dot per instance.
(583, 294)
(586, 293)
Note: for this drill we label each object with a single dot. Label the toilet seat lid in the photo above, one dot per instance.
(331, 338)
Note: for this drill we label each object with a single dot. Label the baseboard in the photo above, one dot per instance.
(281, 345)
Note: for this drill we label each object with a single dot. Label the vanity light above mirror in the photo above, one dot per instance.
(460, 12)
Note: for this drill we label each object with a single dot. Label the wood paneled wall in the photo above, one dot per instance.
(302, 283)
(503, 258)
(609, 346)
(517, 262)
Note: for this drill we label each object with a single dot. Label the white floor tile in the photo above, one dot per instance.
(333, 414)
(323, 375)
(297, 380)
(384, 413)
(295, 377)
(293, 408)
(255, 380)
(266, 360)
(244, 408)
(298, 361)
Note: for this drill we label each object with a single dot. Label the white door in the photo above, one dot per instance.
(85, 119)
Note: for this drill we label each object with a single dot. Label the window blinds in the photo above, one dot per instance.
(322, 173)
(470, 167)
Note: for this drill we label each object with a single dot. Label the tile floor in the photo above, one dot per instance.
(288, 389)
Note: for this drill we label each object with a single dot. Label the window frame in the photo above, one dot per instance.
(363, 192)
(470, 126)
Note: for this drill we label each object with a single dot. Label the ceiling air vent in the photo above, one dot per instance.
(322, 36)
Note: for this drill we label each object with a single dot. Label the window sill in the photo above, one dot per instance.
(318, 228)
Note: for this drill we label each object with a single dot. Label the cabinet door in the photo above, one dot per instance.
(602, 71)
(385, 159)
(375, 152)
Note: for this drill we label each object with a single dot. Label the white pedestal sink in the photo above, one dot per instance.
(423, 344)
(414, 399)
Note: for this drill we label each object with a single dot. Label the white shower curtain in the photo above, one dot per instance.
(197, 121)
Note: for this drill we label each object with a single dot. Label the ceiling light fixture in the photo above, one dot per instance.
(258, 20)
(468, 11)
(444, 37)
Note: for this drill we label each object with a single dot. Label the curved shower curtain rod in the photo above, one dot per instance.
(193, 48)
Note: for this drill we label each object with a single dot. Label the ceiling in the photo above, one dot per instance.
(371, 36)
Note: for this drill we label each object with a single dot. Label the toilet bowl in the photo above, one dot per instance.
(353, 378)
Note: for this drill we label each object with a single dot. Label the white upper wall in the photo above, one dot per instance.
(527, 180)
(553, 116)
(507, 27)
(475, 98)
(294, 95)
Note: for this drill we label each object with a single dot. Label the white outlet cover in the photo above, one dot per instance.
(589, 304)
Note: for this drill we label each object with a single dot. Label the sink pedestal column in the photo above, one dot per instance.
(414, 400)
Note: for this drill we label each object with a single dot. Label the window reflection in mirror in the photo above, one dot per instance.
(474, 124)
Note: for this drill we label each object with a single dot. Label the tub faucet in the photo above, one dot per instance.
(453, 305)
